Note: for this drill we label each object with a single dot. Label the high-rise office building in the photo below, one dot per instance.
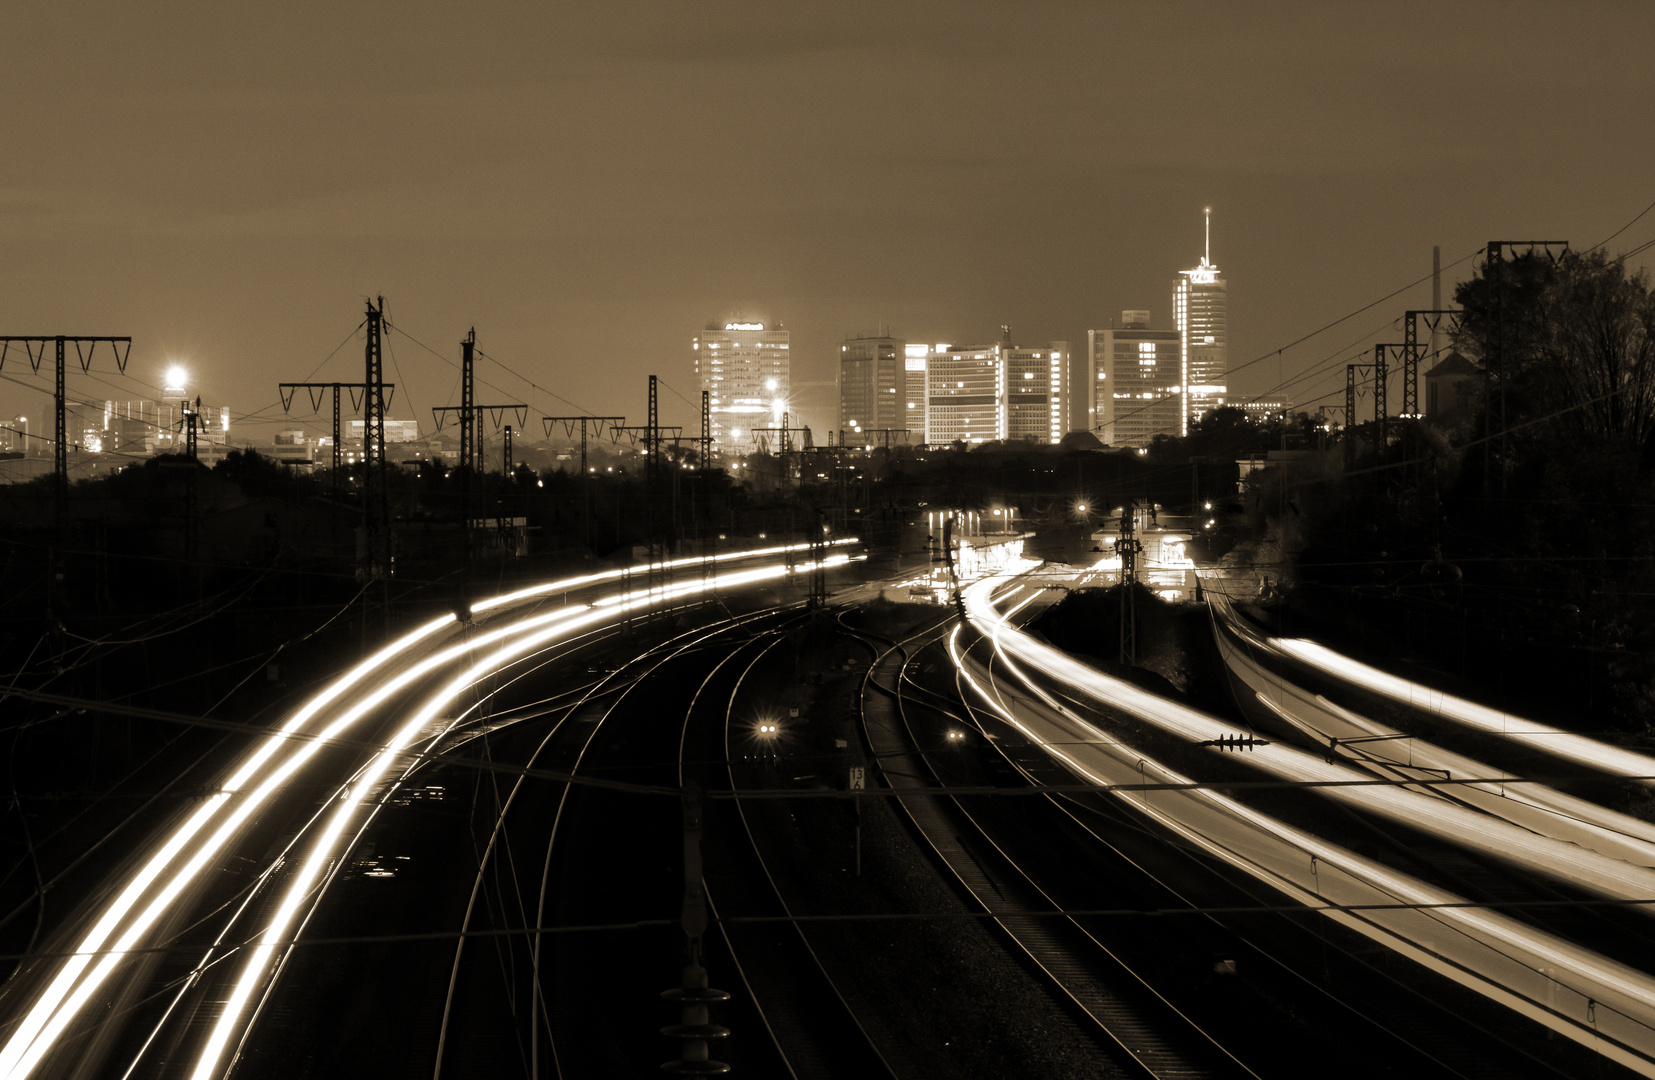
(1201, 313)
(913, 363)
(975, 393)
(743, 365)
(1135, 382)
(873, 387)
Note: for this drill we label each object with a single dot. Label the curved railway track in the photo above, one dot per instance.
(1443, 1027)
(1150, 1036)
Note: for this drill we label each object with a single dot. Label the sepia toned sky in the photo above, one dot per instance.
(587, 184)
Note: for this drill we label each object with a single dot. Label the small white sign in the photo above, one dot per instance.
(857, 782)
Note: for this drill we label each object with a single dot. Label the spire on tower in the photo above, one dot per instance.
(1207, 259)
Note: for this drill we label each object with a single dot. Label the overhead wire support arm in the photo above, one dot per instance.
(316, 391)
(86, 348)
(590, 427)
(471, 450)
(1433, 318)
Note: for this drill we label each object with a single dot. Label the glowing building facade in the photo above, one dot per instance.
(873, 388)
(1201, 310)
(743, 364)
(1135, 382)
(148, 427)
(978, 393)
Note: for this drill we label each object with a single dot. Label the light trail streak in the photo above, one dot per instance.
(82, 974)
(47, 1006)
(1448, 820)
(567, 584)
(363, 786)
(1551, 740)
(1537, 807)
(62, 1010)
(1544, 977)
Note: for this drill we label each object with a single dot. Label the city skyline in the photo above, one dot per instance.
(227, 186)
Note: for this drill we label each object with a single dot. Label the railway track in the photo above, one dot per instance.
(1442, 1026)
(1149, 1035)
(814, 1030)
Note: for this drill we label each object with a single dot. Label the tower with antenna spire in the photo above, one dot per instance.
(1200, 310)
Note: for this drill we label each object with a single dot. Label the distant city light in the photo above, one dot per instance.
(177, 379)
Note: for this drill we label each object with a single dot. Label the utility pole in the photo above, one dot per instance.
(189, 422)
(376, 503)
(693, 995)
(1434, 319)
(1128, 547)
(1382, 355)
(470, 416)
(1351, 371)
(85, 348)
(316, 390)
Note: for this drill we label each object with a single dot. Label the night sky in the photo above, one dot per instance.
(587, 184)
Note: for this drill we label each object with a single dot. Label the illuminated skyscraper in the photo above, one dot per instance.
(1201, 314)
(743, 365)
(975, 393)
(873, 386)
(1135, 379)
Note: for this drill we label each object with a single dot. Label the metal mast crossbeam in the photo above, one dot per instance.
(496, 412)
(1433, 319)
(589, 426)
(60, 440)
(316, 390)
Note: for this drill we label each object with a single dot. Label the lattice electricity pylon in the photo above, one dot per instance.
(189, 422)
(1411, 320)
(1128, 546)
(376, 494)
(1351, 371)
(85, 348)
(316, 390)
(1383, 353)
